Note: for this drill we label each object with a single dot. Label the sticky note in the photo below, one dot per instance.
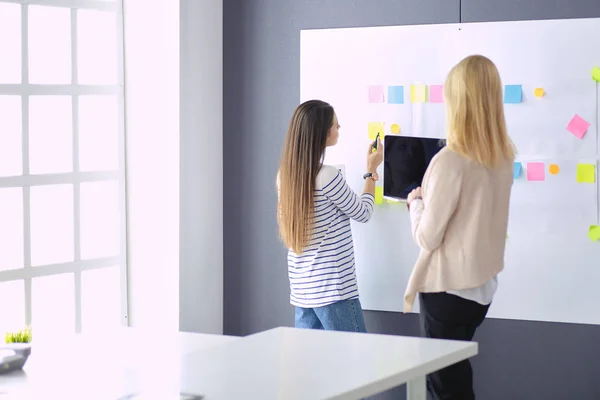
(536, 171)
(517, 170)
(375, 128)
(396, 94)
(578, 126)
(594, 233)
(395, 128)
(418, 93)
(378, 194)
(376, 94)
(596, 74)
(539, 92)
(436, 93)
(554, 169)
(513, 94)
(586, 173)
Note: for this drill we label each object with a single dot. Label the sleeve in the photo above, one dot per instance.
(430, 217)
(359, 208)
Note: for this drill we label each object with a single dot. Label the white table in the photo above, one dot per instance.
(286, 363)
(105, 366)
(282, 363)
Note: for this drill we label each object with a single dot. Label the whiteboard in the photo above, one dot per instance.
(552, 270)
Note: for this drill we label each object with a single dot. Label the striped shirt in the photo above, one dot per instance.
(324, 273)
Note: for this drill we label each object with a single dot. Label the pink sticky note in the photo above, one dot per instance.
(578, 126)
(436, 93)
(375, 94)
(536, 171)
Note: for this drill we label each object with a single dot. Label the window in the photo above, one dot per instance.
(62, 167)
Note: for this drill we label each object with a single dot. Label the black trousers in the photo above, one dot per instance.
(446, 316)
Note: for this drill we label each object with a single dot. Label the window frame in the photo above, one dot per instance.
(75, 178)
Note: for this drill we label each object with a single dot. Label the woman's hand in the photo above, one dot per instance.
(374, 158)
(416, 193)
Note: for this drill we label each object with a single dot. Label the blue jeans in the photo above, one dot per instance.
(344, 315)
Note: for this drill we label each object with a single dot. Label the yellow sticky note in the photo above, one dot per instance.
(374, 129)
(594, 233)
(395, 129)
(418, 93)
(539, 92)
(586, 173)
(596, 74)
(378, 194)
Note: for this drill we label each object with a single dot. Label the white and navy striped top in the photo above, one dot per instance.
(324, 273)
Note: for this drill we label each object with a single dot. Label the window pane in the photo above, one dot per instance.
(12, 307)
(51, 224)
(10, 43)
(98, 132)
(49, 44)
(11, 157)
(50, 134)
(99, 219)
(11, 229)
(53, 304)
(101, 299)
(96, 47)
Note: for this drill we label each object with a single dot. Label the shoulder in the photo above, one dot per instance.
(448, 161)
(326, 175)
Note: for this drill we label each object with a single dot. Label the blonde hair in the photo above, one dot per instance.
(301, 161)
(476, 126)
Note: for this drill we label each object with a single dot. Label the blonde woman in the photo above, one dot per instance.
(314, 212)
(460, 218)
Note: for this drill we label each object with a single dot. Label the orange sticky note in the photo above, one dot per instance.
(554, 169)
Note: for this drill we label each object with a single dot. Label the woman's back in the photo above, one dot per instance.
(325, 271)
(477, 199)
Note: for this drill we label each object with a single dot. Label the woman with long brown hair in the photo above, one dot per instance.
(460, 218)
(314, 212)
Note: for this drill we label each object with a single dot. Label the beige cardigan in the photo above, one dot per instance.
(463, 225)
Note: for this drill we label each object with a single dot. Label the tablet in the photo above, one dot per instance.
(405, 161)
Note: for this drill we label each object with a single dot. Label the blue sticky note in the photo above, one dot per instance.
(517, 170)
(513, 94)
(396, 94)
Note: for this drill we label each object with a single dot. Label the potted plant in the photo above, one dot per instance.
(18, 346)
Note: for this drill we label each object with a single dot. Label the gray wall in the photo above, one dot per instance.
(518, 360)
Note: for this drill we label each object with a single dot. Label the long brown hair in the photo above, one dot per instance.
(475, 112)
(301, 160)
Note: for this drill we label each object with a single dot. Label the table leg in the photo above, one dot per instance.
(416, 389)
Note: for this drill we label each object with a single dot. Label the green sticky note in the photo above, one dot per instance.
(418, 93)
(594, 232)
(374, 129)
(507, 235)
(596, 74)
(378, 194)
(586, 173)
